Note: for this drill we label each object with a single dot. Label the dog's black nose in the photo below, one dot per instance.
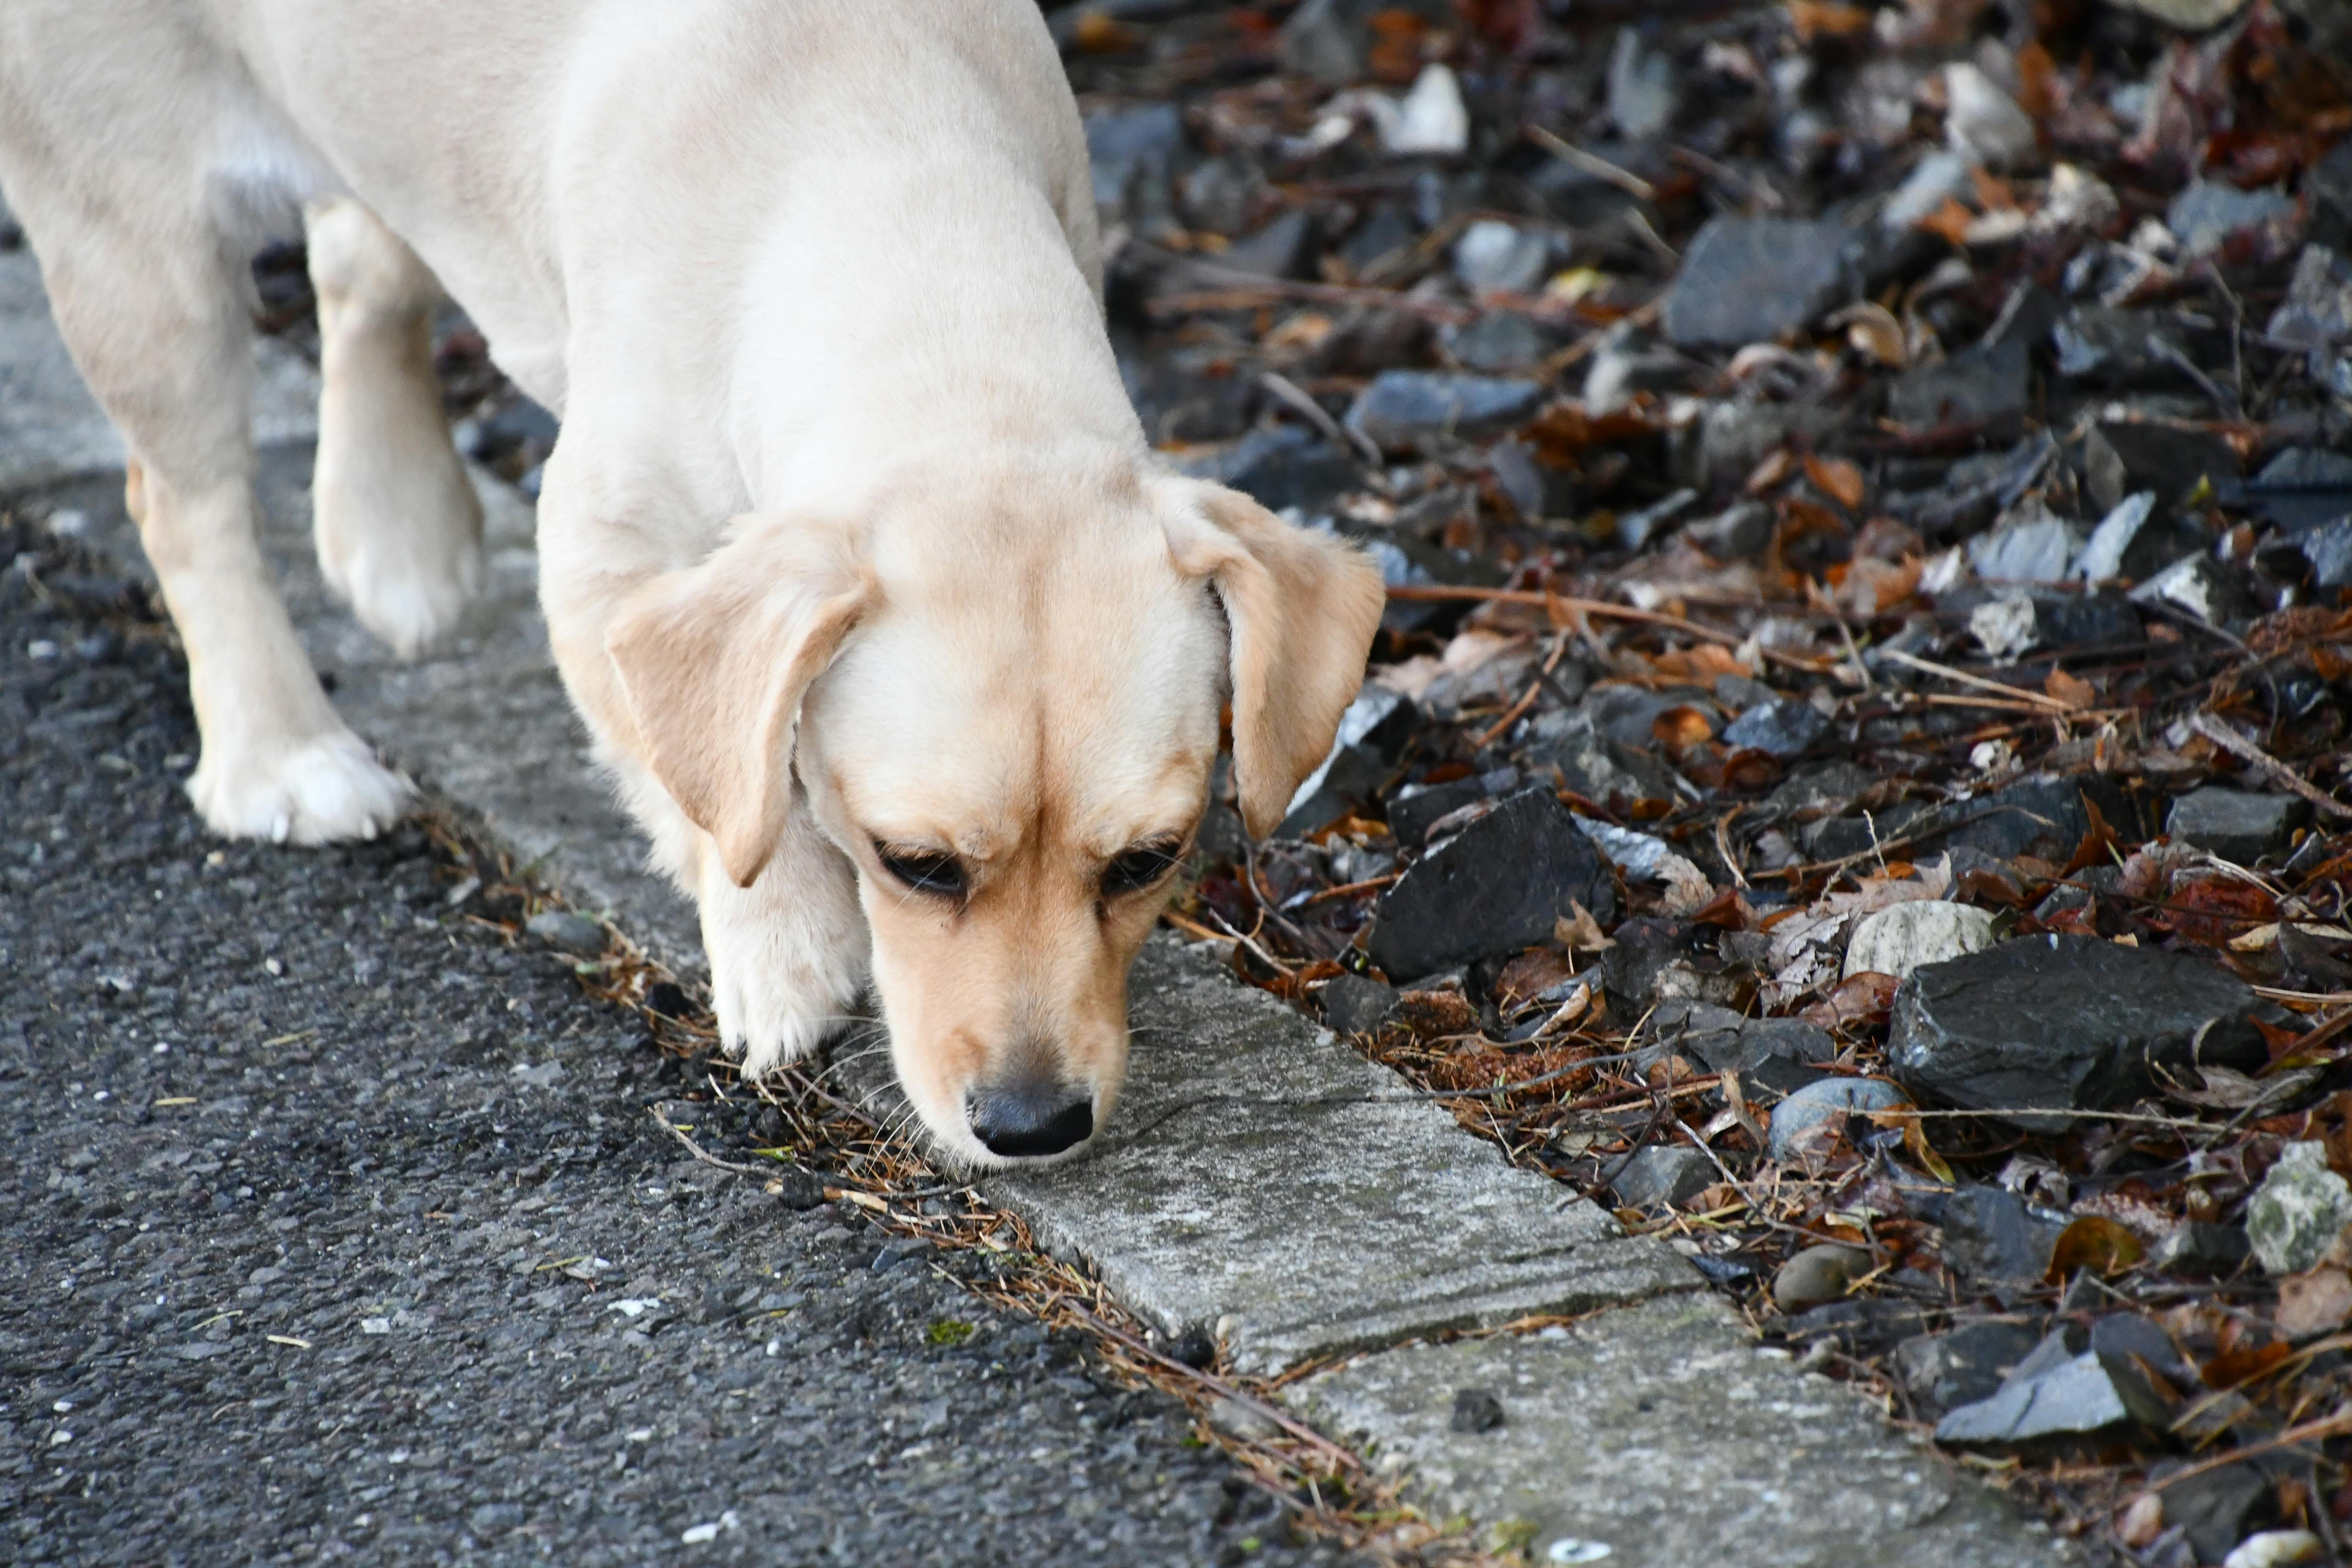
(1028, 1119)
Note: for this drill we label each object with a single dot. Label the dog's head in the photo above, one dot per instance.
(1008, 729)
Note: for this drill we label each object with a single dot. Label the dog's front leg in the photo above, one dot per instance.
(788, 954)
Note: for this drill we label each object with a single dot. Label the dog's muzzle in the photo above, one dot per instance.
(1028, 1120)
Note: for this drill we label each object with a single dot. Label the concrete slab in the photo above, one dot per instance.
(1662, 1433)
(1264, 1183)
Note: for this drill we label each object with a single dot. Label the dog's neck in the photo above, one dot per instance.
(899, 346)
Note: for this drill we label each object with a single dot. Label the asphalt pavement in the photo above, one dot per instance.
(336, 1228)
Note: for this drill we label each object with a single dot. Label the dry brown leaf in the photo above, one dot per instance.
(1836, 478)
(1579, 933)
(1873, 330)
(1773, 471)
(2072, 690)
(2096, 1243)
(1811, 20)
(1951, 220)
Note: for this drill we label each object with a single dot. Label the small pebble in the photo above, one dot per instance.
(1818, 1274)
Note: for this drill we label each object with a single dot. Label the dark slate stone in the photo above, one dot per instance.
(1356, 1005)
(1746, 280)
(2301, 488)
(1941, 1371)
(2121, 458)
(2087, 1394)
(1776, 1056)
(1496, 887)
(1991, 1237)
(1498, 341)
(2194, 1246)
(1283, 248)
(2327, 551)
(2112, 347)
(1278, 466)
(1412, 811)
(2065, 1023)
(1372, 734)
(2042, 815)
(1990, 383)
(1590, 763)
(2237, 825)
(1403, 408)
(1863, 1325)
(2217, 1508)
(1661, 1175)
(1783, 728)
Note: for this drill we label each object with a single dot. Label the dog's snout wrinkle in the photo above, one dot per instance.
(1030, 1119)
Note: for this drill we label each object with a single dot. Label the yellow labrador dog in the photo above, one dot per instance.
(853, 554)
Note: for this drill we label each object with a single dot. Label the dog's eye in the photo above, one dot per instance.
(924, 871)
(1138, 869)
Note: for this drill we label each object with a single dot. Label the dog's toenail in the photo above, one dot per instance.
(281, 826)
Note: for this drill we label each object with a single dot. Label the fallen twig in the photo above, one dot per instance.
(2246, 752)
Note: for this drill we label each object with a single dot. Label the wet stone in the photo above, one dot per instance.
(1943, 1372)
(1403, 408)
(1496, 887)
(1747, 280)
(2300, 1208)
(1662, 1176)
(2236, 824)
(1783, 728)
(1812, 1113)
(2061, 1023)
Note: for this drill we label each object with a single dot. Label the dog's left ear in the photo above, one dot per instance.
(1302, 607)
(714, 660)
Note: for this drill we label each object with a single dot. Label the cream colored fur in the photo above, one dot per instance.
(850, 539)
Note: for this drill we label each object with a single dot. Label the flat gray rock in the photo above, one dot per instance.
(1665, 1434)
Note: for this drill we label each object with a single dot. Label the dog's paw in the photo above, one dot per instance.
(766, 1021)
(778, 986)
(319, 791)
(408, 562)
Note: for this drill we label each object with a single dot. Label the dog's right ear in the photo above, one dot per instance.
(714, 660)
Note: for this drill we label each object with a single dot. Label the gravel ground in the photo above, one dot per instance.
(337, 1227)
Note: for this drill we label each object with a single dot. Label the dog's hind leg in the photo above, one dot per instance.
(151, 297)
(399, 530)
